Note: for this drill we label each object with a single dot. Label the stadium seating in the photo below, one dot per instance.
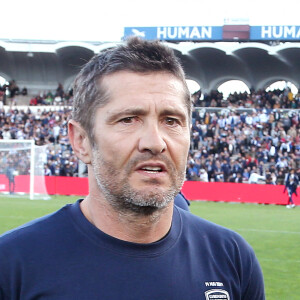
(230, 140)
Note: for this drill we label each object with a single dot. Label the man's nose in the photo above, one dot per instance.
(152, 139)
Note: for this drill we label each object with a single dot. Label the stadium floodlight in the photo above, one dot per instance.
(22, 168)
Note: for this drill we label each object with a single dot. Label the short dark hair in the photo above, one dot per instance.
(136, 55)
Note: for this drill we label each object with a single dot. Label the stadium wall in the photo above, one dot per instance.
(193, 190)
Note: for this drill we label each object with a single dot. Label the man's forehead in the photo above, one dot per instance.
(120, 78)
(131, 85)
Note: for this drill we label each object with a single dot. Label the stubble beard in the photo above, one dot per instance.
(126, 199)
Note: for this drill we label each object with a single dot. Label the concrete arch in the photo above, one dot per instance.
(73, 58)
(261, 65)
(239, 87)
(215, 64)
(193, 68)
(193, 85)
(196, 80)
(62, 45)
(219, 81)
(238, 47)
(106, 46)
(286, 46)
(268, 81)
(187, 48)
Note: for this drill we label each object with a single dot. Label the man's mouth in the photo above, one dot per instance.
(152, 170)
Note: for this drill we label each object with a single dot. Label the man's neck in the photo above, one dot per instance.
(127, 226)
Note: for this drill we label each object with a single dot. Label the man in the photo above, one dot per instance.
(290, 184)
(126, 239)
(10, 174)
(256, 178)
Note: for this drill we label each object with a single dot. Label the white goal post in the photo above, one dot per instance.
(22, 168)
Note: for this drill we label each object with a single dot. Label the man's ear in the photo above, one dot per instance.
(79, 141)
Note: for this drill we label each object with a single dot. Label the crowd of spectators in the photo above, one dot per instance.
(276, 99)
(260, 99)
(59, 97)
(9, 94)
(259, 144)
(46, 128)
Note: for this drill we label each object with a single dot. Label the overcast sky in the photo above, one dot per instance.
(90, 20)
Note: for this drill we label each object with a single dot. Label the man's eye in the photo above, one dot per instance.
(171, 121)
(127, 120)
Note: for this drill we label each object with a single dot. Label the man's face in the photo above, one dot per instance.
(141, 141)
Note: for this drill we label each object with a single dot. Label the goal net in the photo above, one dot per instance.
(22, 168)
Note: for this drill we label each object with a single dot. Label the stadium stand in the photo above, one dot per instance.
(252, 138)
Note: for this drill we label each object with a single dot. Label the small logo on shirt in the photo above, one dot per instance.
(217, 294)
(214, 283)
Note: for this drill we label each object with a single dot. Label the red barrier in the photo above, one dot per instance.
(53, 185)
(237, 192)
(59, 185)
(193, 190)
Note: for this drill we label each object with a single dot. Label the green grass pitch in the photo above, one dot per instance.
(273, 231)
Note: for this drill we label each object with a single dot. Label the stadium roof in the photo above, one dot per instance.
(40, 65)
(256, 64)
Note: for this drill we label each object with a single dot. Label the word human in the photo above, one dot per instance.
(196, 32)
(280, 32)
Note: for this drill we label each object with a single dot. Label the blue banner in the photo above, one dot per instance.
(284, 33)
(176, 33)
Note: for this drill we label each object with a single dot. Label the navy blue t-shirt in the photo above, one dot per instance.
(181, 201)
(64, 256)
